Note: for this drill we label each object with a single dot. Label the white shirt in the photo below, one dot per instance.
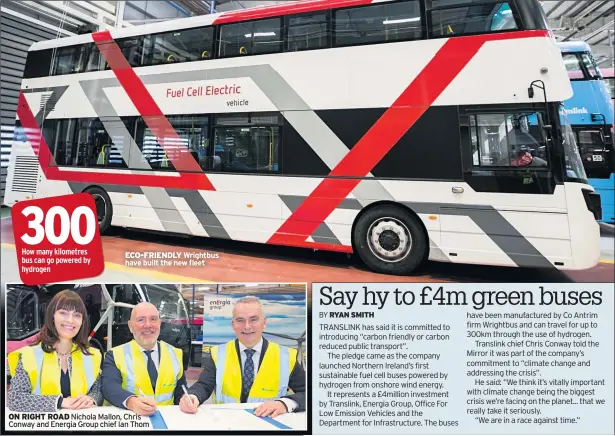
(155, 357)
(256, 357)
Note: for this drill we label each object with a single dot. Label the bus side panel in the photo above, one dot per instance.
(584, 229)
(606, 189)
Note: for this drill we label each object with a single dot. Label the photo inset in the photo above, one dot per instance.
(157, 356)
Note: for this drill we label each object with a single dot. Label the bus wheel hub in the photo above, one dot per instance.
(389, 239)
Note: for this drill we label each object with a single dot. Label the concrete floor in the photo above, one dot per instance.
(244, 262)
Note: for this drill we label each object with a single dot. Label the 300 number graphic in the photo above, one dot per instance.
(69, 225)
(57, 239)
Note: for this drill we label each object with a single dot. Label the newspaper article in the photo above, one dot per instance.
(462, 358)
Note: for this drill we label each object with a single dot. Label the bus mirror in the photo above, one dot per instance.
(530, 92)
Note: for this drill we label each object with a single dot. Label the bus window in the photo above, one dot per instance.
(182, 46)
(68, 60)
(247, 143)
(611, 84)
(506, 140)
(503, 19)
(307, 32)
(168, 300)
(22, 313)
(459, 17)
(378, 23)
(573, 66)
(590, 64)
(95, 62)
(38, 64)
(134, 50)
(193, 131)
(251, 37)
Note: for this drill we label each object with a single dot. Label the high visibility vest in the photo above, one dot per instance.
(44, 370)
(270, 383)
(132, 364)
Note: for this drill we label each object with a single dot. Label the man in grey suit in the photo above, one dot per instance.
(249, 367)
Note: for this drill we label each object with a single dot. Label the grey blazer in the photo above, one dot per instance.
(21, 398)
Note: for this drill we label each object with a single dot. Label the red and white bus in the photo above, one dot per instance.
(397, 130)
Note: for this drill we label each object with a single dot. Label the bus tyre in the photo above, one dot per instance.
(104, 208)
(390, 240)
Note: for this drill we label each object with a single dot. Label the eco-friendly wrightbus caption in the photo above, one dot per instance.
(397, 130)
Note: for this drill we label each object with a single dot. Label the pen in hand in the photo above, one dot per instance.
(188, 398)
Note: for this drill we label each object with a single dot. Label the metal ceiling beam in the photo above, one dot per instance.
(598, 31)
(592, 21)
(36, 22)
(591, 9)
(552, 10)
(582, 6)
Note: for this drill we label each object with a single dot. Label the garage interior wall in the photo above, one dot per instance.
(15, 39)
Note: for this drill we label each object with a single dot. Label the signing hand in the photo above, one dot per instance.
(142, 405)
(79, 402)
(188, 404)
(271, 408)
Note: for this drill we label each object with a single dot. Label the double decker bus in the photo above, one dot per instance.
(396, 130)
(590, 111)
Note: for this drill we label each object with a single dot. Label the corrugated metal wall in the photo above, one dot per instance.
(16, 37)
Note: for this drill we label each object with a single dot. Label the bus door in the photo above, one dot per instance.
(507, 152)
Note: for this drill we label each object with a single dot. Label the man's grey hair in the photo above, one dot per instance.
(250, 299)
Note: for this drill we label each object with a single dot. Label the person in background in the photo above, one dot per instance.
(59, 370)
(145, 372)
(250, 369)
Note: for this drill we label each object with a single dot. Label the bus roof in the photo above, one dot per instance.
(276, 10)
(574, 46)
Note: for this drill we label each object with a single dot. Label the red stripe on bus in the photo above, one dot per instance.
(286, 9)
(52, 172)
(435, 77)
(146, 105)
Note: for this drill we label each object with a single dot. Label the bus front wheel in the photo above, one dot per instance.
(104, 208)
(390, 240)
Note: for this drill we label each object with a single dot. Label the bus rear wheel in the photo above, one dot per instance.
(104, 208)
(390, 240)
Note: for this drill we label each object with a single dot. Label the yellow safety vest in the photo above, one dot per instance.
(130, 360)
(44, 370)
(270, 382)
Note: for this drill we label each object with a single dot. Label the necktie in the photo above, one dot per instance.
(151, 369)
(248, 375)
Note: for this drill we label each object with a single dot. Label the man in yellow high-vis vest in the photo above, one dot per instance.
(145, 372)
(250, 369)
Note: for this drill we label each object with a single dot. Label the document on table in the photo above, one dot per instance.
(296, 421)
(213, 419)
